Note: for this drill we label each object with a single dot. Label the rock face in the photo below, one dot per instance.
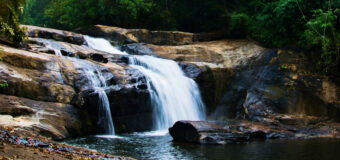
(50, 95)
(280, 83)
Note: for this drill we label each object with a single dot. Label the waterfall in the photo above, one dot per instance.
(174, 96)
(98, 82)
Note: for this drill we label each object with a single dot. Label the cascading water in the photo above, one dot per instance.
(174, 96)
(98, 82)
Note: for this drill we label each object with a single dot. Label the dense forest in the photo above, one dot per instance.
(311, 25)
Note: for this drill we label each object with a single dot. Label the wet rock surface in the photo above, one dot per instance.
(19, 144)
(299, 127)
(51, 95)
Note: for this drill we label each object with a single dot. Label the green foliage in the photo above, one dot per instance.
(9, 26)
(321, 33)
(68, 14)
(185, 15)
(200, 15)
(34, 12)
(239, 24)
(312, 25)
(283, 67)
(3, 84)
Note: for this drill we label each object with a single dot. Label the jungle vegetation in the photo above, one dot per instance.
(310, 25)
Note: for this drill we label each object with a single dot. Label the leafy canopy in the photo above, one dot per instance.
(312, 25)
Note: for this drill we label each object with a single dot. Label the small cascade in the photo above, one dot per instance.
(52, 45)
(174, 96)
(101, 44)
(58, 52)
(98, 82)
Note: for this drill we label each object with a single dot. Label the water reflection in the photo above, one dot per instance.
(157, 146)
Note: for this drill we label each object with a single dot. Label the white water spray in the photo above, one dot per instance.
(174, 96)
(101, 44)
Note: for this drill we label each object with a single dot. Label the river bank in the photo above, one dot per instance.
(20, 144)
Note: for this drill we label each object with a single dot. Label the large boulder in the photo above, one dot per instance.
(55, 120)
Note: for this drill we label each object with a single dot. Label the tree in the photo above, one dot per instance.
(9, 16)
(34, 12)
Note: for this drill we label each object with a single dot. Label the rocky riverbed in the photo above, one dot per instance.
(20, 144)
(248, 90)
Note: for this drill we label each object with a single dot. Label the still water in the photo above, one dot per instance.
(158, 145)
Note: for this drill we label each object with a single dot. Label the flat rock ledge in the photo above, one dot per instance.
(204, 132)
(20, 144)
